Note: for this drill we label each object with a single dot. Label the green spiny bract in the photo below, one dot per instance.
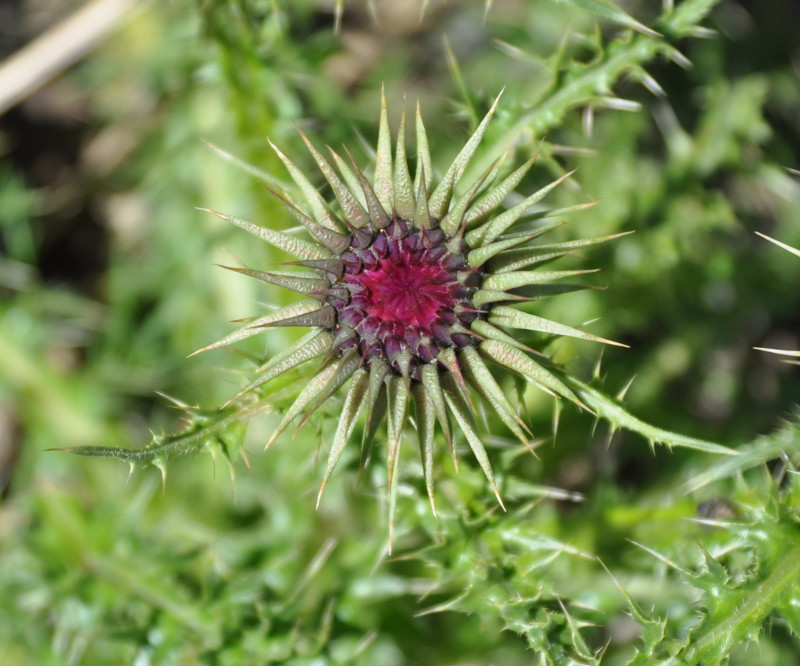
(411, 291)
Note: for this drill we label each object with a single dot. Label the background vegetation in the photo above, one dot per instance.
(611, 551)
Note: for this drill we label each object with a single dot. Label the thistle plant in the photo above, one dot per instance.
(413, 306)
(416, 292)
(411, 292)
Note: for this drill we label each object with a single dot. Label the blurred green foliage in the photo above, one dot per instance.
(609, 552)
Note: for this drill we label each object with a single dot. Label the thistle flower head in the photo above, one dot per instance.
(410, 290)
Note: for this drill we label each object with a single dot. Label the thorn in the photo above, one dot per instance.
(663, 558)
(619, 104)
(621, 395)
(272, 439)
(179, 404)
(679, 59)
(786, 247)
(699, 32)
(319, 494)
(652, 85)
(213, 453)
(497, 495)
(162, 467)
(588, 121)
(233, 483)
(246, 460)
(598, 365)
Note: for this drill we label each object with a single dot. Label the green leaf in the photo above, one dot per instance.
(764, 449)
(612, 411)
(610, 11)
(206, 430)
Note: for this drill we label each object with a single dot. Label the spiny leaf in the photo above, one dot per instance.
(423, 157)
(297, 247)
(497, 195)
(485, 296)
(324, 317)
(347, 365)
(448, 359)
(613, 412)
(384, 187)
(404, 201)
(377, 213)
(259, 325)
(300, 283)
(510, 318)
(454, 219)
(483, 381)
(349, 177)
(309, 393)
(737, 612)
(759, 452)
(425, 421)
(433, 390)
(319, 208)
(333, 240)
(489, 231)
(422, 216)
(481, 255)
(533, 292)
(205, 429)
(311, 345)
(458, 409)
(608, 10)
(352, 407)
(485, 330)
(514, 260)
(506, 281)
(397, 392)
(376, 405)
(440, 199)
(252, 170)
(521, 363)
(352, 210)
